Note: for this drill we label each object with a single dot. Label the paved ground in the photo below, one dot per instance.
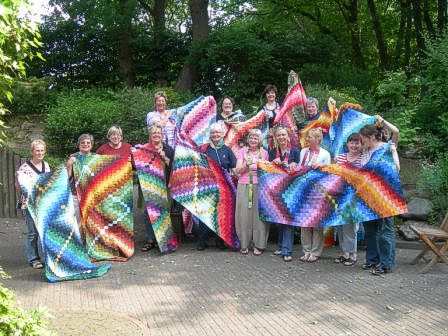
(224, 293)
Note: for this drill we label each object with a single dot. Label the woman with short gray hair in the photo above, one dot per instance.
(250, 229)
(115, 146)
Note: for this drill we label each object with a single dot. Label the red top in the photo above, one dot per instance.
(106, 149)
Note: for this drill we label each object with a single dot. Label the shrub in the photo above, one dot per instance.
(434, 177)
(31, 95)
(16, 321)
(95, 110)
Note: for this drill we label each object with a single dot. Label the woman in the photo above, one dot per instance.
(115, 146)
(85, 144)
(229, 116)
(166, 154)
(347, 234)
(379, 233)
(288, 157)
(222, 155)
(33, 167)
(271, 107)
(249, 228)
(389, 132)
(163, 118)
(313, 156)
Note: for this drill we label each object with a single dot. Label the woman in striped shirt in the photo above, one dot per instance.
(347, 233)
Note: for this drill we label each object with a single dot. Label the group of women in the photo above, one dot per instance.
(252, 232)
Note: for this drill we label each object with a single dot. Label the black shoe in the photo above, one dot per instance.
(201, 247)
(380, 270)
(368, 266)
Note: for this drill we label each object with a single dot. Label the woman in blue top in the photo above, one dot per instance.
(223, 156)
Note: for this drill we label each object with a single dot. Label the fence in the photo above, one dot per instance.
(9, 162)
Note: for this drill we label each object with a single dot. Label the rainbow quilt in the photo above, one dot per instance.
(104, 187)
(331, 195)
(236, 133)
(205, 189)
(50, 204)
(195, 118)
(151, 176)
(350, 121)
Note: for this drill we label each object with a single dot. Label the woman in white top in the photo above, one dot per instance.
(33, 167)
(312, 238)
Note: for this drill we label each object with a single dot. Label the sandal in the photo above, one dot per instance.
(278, 252)
(349, 262)
(257, 251)
(287, 258)
(312, 259)
(37, 265)
(244, 250)
(341, 259)
(304, 258)
(148, 246)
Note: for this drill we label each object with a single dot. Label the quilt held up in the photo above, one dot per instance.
(151, 176)
(331, 195)
(50, 203)
(104, 187)
(204, 189)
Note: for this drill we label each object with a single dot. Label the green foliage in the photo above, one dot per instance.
(31, 95)
(434, 177)
(16, 321)
(95, 110)
(396, 99)
(19, 39)
(323, 92)
(433, 112)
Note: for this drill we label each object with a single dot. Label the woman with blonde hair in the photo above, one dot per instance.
(313, 156)
(249, 227)
(35, 166)
(164, 118)
(115, 145)
(288, 157)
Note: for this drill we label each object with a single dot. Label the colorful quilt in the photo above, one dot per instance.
(237, 132)
(50, 204)
(205, 189)
(104, 187)
(195, 118)
(151, 176)
(331, 195)
(350, 121)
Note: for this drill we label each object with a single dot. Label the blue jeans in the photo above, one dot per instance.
(31, 237)
(285, 239)
(203, 232)
(347, 235)
(380, 240)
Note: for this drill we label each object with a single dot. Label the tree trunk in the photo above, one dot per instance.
(441, 15)
(382, 48)
(418, 26)
(200, 29)
(407, 38)
(427, 19)
(350, 14)
(157, 12)
(401, 33)
(124, 47)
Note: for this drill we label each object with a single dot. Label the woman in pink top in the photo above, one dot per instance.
(249, 228)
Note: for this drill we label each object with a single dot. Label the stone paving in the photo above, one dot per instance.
(218, 292)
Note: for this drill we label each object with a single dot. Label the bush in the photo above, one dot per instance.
(16, 321)
(95, 110)
(31, 96)
(434, 177)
